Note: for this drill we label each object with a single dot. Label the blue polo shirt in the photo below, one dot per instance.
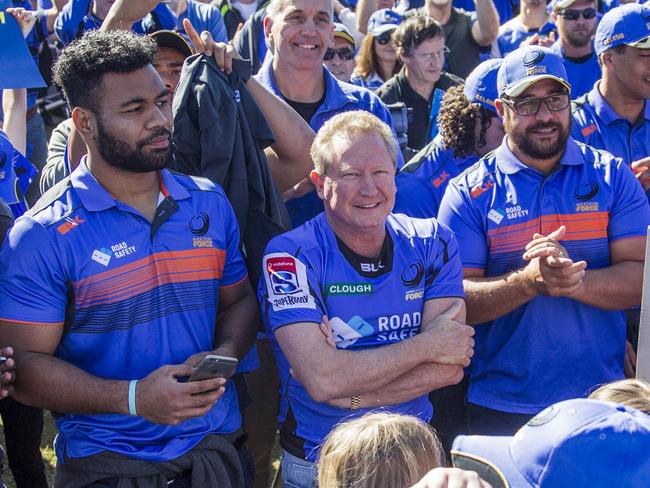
(204, 18)
(512, 34)
(339, 97)
(307, 276)
(76, 17)
(595, 123)
(422, 182)
(581, 76)
(504, 7)
(132, 296)
(551, 348)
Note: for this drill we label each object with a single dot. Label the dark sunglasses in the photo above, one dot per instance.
(344, 53)
(588, 13)
(384, 38)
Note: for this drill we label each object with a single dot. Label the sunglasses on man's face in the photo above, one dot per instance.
(344, 54)
(384, 38)
(587, 13)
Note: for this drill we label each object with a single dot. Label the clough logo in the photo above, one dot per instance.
(199, 224)
(412, 274)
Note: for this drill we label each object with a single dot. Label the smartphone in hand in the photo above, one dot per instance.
(213, 366)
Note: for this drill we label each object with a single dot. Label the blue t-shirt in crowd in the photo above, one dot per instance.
(16, 174)
(307, 276)
(595, 123)
(504, 7)
(512, 34)
(144, 295)
(76, 17)
(339, 97)
(204, 18)
(582, 75)
(551, 348)
(422, 181)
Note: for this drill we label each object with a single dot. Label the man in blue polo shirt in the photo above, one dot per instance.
(79, 16)
(469, 129)
(532, 20)
(203, 18)
(576, 23)
(552, 238)
(119, 281)
(300, 32)
(615, 114)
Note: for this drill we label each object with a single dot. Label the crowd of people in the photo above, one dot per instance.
(404, 240)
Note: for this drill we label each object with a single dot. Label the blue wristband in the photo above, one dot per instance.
(132, 410)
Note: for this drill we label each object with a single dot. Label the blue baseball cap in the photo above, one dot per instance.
(384, 20)
(628, 24)
(575, 443)
(481, 84)
(527, 65)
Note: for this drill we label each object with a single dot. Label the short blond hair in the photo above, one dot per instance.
(633, 392)
(343, 128)
(275, 8)
(378, 450)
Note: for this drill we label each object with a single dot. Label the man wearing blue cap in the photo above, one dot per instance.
(469, 129)
(552, 237)
(574, 443)
(615, 114)
(576, 23)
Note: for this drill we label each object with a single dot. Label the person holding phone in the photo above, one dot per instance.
(120, 281)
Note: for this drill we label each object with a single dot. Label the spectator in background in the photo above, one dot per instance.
(79, 16)
(467, 35)
(203, 17)
(533, 24)
(378, 450)
(574, 443)
(366, 8)
(235, 13)
(377, 61)
(387, 288)
(505, 8)
(633, 392)
(552, 237)
(250, 42)
(420, 44)
(615, 114)
(339, 59)
(576, 24)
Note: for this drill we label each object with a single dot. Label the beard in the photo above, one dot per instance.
(533, 148)
(579, 39)
(121, 155)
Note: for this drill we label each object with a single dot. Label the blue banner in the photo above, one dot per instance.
(17, 66)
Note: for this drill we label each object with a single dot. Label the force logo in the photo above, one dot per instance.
(69, 224)
(202, 242)
(412, 274)
(199, 224)
(286, 282)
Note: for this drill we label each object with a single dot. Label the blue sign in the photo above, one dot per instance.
(17, 67)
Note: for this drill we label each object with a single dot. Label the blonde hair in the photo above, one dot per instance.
(633, 393)
(276, 7)
(341, 128)
(378, 450)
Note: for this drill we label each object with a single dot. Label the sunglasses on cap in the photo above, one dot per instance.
(344, 53)
(569, 14)
(384, 38)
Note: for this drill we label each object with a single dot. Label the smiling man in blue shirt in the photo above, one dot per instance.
(615, 114)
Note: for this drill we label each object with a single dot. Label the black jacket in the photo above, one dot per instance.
(220, 133)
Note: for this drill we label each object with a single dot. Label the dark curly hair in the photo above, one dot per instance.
(83, 64)
(456, 122)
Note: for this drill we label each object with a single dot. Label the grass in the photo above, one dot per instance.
(47, 450)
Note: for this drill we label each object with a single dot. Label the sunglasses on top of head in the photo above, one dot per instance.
(344, 53)
(569, 14)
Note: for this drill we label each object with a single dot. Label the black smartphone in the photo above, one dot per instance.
(213, 366)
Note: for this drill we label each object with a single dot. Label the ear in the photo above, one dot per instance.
(84, 121)
(606, 58)
(267, 24)
(318, 181)
(500, 106)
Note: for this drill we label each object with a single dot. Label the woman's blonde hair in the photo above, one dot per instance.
(378, 450)
(368, 62)
(633, 393)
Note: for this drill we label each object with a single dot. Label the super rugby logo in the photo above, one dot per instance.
(286, 282)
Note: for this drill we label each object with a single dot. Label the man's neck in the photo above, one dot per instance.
(422, 88)
(441, 13)
(576, 52)
(626, 106)
(306, 86)
(138, 190)
(367, 243)
(544, 166)
(533, 16)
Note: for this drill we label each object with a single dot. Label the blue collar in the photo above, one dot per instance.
(96, 198)
(508, 163)
(604, 111)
